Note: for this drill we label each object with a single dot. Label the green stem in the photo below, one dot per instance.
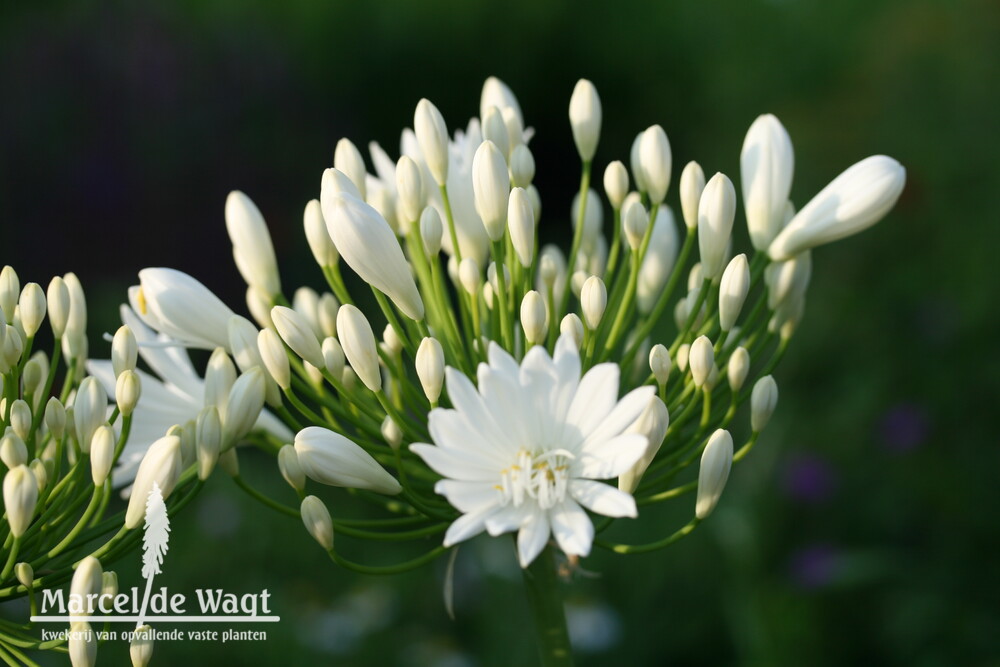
(545, 599)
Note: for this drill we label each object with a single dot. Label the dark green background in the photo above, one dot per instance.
(863, 528)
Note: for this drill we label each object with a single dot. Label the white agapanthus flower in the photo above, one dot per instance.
(523, 452)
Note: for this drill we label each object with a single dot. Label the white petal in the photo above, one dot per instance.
(602, 499)
(500, 360)
(170, 363)
(505, 398)
(532, 538)
(466, 526)
(572, 527)
(450, 464)
(609, 458)
(451, 430)
(507, 519)
(466, 400)
(624, 414)
(594, 399)
(467, 496)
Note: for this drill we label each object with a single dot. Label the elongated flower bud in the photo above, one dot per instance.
(635, 223)
(495, 130)
(13, 451)
(124, 350)
(534, 319)
(616, 183)
(208, 440)
(246, 400)
(358, 342)
(370, 248)
(89, 410)
(852, 202)
(788, 281)
(521, 223)
(593, 219)
(140, 650)
(31, 308)
(272, 352)
(491, 188)
(20, 495)
(391, 432)
(330, 458)
(333, 357)
(252, 248)
(219, 378)
(34, 373)
(429, 365)
(161, 466)
(181, 307)
(738, 368)
(655, 160)
(716, 211)
(243, 343)
(347, 159)
(297, 334)
(102, 454)
(763, 400)
(288, 464)
(716, 461)
(767, 164)
(20, 418)
(585, 118)
(692, 185)
(316, 518)
(572, 326)
(57, 297)
(661, 256)
(522, 166)
(320, 244)
(410, 188)
(733, 291)
(55, 417)
(652, 424)
(593, 301)
(660, 364)
(432, 136)
(701, 359)
(469, 276)
(25, 575)
(13, 346)
(431, 231)
(82, 645)
(10, 290)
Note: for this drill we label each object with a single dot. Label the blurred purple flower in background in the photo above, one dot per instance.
(904, 427)
(808, 477)
(814, 566)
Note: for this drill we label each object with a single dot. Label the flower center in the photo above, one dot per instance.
(543, 477)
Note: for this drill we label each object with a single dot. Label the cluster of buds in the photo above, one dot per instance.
(446, 238)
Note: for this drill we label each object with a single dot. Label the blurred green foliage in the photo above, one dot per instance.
(862, 530)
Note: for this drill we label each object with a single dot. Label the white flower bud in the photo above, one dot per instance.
(497, 94)
(20, 418)
(243, 343)
(34, 373)
(521, 223)
(429, 364)
(252, 248)
(57, 297)
(333, 357)
(88, 581)
(733, 291)
(651, 423)
(89, 410)
(767, 164)
(20, 495)
(391, 432)
(515, 127)
(13, 451)
(31, 308)
(208, 440)
(10, 290)
(297, 334)
(491, 276)
(13, 347)
(534, 319)
(495, 130)
(536, 201)
(432, 136)
(326, 314)
(491, 188)
(658, 264)
(410, 188)
(358, 342)
(738, 368)
(854, 201)
(272, 352)
(593, 219)
(469, 276)
(635, 224)
(655, 161)
(659, 363)
(522, 166)
(161, 466)
(82, 645)
(128, 389)
(322, 247)
(246, 400)
(692, 185)
(347, 159)
(288, 464)
(140, 650)
(585, 118)
(763, 400)
(259, 305)
(181, 307)
(392, 344)
(593, 301)
(370, 248)
(230, 462)
(25, 575)
(716, 461)
(41, 473)
(219, 378)
(317, 520)
(701, 360)
(716, 211)
(616, 183)
(787, 281)
(431, 231)
(305, 302)
(572, 326)
(102, 454)
(330, 458)
(124, 350)
(55, 417)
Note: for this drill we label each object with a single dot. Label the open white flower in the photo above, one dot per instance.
(523, 451)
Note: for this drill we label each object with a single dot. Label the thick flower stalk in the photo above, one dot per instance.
(514, 388)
